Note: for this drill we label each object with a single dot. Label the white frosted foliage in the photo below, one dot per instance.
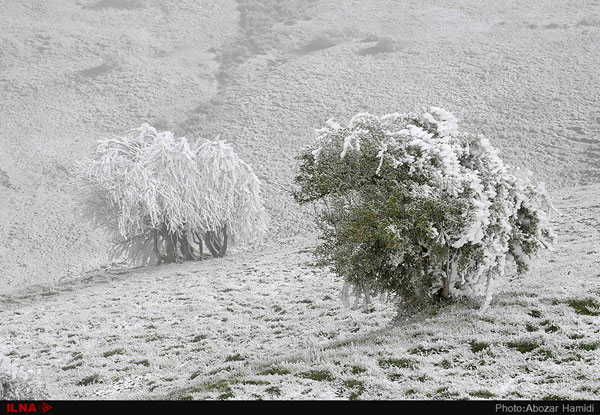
(150, 180)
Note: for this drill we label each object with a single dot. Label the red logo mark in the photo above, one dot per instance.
(20, 407)
(26, 407)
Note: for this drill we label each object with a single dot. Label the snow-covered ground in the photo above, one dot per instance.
(264, 323)
(267, 324)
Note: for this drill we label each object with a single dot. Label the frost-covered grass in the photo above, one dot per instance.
(440, 357)
(170, 322)
(267, 325)
(18, 383)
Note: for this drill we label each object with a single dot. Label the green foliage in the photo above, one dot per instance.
(407, 205)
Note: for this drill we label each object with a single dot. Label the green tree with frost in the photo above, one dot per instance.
(410, 206)
(163, 199)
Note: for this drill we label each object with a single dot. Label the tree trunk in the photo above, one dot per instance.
(186, 248)
(208, 241)
(446, 290)
(159, 257)
(223, 249)
(216, 242)
(198, 240)
(171, 255)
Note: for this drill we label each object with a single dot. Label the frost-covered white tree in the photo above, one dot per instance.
(411, 206)
(163, 198)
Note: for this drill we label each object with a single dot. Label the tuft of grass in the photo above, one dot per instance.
(199, 337)
(476, 346)
(273, 390)
(275, 371)
(113, 352)
(144, 362)
(588, 346)
(422, 350)
(554, 398)
(317, 375)
(402, 363)
(255, 382)
(545, 354)
(223, 388)
(587, 307)
(357, 387)
(72, 366)
(535, 313)
(95, 378)
(235, 358)
(357, 370)
(524, 346)
(444, 393)
(531, 328)
(482, 394)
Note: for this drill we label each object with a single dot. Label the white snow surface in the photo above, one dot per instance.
(262, 322)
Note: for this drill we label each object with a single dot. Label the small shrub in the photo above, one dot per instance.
(18, 388)
(410, 206)
(163, 198)
(17, 383)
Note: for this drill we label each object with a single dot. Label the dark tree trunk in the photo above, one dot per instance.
(198, 240)
(159, 257)
(446, 290)
(186, 248)
(223, 249)
(208, 240)
(171, 255)
(216, 242)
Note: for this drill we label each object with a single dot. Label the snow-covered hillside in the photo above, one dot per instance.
(264, 74)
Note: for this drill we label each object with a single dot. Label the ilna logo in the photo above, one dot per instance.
(27, 407)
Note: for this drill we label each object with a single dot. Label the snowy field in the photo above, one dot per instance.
(263, 322)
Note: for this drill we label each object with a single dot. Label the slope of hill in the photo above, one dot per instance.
(71, 73)
(266, 324)
(264, 74)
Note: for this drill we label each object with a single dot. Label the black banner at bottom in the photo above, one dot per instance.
(479, 407)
